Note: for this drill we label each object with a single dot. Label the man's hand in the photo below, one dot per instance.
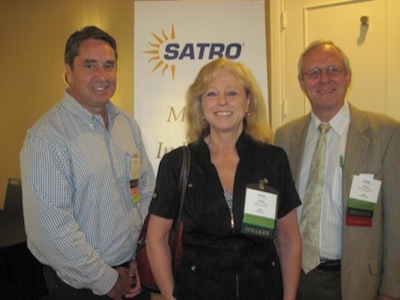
(136, 288)
(125, 286)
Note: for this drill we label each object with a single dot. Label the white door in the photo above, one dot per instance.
(360, 28)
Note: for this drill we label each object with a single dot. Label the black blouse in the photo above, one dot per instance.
(210, 242)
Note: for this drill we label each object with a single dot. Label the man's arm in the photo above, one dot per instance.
(391, 222)
(53, 233)
(147, 177)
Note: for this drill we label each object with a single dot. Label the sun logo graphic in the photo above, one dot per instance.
(156, 55)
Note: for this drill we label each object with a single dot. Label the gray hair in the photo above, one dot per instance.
(345, 59)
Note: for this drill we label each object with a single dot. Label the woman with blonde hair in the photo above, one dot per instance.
(256, 124)
(240, 196)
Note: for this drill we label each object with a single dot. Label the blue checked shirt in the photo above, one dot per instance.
(79, 215)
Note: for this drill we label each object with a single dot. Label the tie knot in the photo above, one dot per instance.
(324, 127)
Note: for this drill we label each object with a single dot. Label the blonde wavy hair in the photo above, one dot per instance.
(255, 123)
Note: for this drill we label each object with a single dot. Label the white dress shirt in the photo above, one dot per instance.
(331, 211)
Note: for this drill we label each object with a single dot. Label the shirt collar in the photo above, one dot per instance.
(84, 114)
(338, 122)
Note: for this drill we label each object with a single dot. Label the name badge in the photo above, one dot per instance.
(260, 211)
(134, 178)
(363, 197)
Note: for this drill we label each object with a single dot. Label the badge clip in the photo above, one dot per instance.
(262, 183)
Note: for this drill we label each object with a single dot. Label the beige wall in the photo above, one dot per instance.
(393, 60)
(33, 36)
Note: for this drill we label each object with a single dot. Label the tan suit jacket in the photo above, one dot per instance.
(370, 255)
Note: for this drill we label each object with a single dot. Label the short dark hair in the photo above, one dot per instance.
(88, 32)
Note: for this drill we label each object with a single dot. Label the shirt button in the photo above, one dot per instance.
(193, 268)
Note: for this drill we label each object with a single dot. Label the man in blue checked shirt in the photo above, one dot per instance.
(87, 181)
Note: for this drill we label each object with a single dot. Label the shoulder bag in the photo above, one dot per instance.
(175, 238)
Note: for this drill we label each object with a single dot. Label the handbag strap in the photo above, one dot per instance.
(183, 179)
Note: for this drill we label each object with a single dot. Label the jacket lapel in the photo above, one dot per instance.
(298, 143)
(358, 141)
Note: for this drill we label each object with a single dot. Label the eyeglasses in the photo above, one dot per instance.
(316, 73)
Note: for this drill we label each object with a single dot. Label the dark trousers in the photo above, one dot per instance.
(59, 290)
(319, 285)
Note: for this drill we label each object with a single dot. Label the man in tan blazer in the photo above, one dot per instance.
(359, 245)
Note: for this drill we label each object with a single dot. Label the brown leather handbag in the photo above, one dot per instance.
(175, 238)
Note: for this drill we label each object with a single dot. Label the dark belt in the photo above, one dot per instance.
(329, 265)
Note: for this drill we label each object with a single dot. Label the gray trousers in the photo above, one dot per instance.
(319, 285)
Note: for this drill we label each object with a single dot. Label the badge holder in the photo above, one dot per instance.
(260, 210)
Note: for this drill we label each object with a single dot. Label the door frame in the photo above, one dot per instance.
(277, 22)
